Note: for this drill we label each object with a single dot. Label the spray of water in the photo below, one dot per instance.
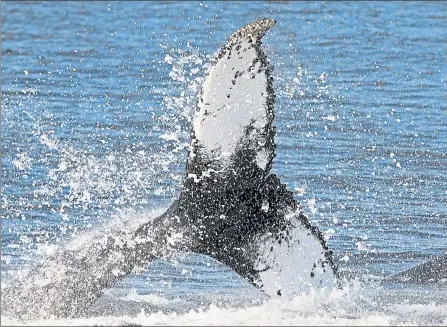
(90, 241)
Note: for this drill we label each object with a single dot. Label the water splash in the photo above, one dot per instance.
(92, 195)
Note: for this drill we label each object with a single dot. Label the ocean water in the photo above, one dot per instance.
(96, 104)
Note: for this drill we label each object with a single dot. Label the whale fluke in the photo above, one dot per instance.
(231, 207)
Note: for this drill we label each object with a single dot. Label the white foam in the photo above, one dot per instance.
(148, 298)
(22, 161)
(354, 306)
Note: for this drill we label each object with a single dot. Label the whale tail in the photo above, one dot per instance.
(235, 210)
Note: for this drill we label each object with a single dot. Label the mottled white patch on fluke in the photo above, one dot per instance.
(234, 109)
(293, 262)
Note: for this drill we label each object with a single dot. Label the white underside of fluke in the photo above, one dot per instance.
(294, 266)
(234, 99)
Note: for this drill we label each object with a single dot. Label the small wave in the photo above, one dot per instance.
(353, 306)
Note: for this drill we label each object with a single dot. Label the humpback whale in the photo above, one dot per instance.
(231, 206)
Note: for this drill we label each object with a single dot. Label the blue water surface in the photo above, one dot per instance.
(90, 90)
